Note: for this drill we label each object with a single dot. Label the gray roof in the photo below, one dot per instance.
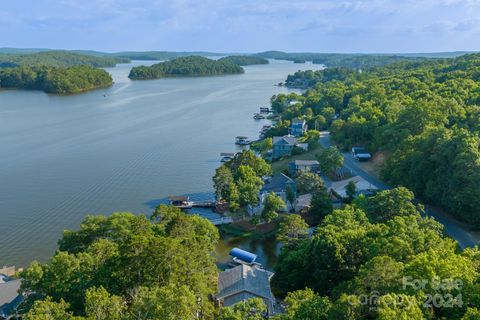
(244, 278)
(277, 183)
(303, 201)
(9, 291)
(289, 140)
(306, 162)
(298, 121)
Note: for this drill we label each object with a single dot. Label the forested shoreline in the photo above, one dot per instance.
(366, 261)
(423, 116)
(58, 80)
(333, 60)
(374, 258)
(244, 60)
(192, 66)
(58, 59)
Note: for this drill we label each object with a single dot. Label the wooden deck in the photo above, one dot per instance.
(204, 204)
(223, 220)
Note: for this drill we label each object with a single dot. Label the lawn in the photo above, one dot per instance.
(281, 165)
(245, 228)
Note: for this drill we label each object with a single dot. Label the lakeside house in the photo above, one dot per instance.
(244, 282)
(278, 184)
(337, 188)
(283, 146)
(298, 166)
(9, 296)
(298, 127)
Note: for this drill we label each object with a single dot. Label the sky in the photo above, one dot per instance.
(366, 26)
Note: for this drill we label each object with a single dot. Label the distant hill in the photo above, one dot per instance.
(57, 59)
(161, 55)
(331, 60)
(244, 60)
(436, 54)
(192, 66)
(22, 50)
(30, 56)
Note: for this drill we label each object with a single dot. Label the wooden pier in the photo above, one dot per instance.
(204, 204)
(222, 220)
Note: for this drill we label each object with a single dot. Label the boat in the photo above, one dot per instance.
(265, 128)
(181, 202)
(258, 116)
(242, 141)
(226, 156)
(265, 110)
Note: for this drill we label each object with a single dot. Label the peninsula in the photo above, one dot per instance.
(59, 80)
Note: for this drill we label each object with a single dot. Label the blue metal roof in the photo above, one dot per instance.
(243, 255)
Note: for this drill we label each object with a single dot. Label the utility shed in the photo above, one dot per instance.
(245, 282)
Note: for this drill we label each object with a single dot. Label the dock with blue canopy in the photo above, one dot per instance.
(242, 256)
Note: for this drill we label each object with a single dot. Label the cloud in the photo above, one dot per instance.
(242, 25)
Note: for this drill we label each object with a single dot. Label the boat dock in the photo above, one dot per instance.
(227, 156)
(183, 202)
(204, 204)
(222, 220)
(242, 141)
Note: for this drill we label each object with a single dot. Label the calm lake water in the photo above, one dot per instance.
(125, 148)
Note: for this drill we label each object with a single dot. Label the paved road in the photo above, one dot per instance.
(453, 228)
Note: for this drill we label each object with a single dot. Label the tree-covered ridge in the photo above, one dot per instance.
(331, 60)
(127, 267)
(192, 66)
(424, 117)
(244, 60)
(58, 59)
(308, 78)
(160, 55)
(60, 80)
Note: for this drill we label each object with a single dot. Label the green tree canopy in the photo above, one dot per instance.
(330, 159)
(271, 206)
(165, 262)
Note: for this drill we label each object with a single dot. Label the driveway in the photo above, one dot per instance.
(453, 228)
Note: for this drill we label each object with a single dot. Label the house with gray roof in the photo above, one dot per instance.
(245, 282)
(298, 166)
(283, 146)
(278, 184)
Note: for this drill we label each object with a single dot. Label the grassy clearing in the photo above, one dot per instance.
(281, 165)
(234, 230)
(375, 165)
(245, 228)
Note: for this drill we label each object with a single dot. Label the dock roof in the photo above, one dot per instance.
(243, 255)
(178, 198)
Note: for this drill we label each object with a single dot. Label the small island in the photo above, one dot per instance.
(192, 66)
(245, 60)
(58, 80)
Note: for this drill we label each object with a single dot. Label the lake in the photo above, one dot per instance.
(125, 148)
